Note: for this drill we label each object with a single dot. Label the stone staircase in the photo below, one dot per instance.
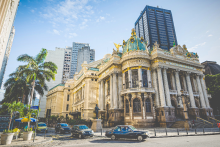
(180, 124)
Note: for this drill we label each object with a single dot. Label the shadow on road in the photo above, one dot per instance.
(115, 141)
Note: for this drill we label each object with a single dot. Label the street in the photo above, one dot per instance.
(192, 141)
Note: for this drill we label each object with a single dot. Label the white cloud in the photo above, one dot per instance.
(196, 46)
(56, 32)
(210, 35)
(71, 35)
(100, 19)
(207, 31)
(67, 11)
(32, 11)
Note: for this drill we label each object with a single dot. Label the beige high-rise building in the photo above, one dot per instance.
(8, 9)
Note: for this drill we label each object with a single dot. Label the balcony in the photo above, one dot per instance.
(174, 92)
(141, 90)
(196, 94)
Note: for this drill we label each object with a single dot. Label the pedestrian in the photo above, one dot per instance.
(90, 123)
(193, 123)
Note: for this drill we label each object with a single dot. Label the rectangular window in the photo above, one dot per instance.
(67, 107)
(144, 77)
(126, 80)
(135, 78)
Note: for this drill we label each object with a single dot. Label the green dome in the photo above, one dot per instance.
(134, 43)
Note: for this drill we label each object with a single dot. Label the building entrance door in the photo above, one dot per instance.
(185, 110)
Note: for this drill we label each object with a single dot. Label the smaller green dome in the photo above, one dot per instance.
(134, 43)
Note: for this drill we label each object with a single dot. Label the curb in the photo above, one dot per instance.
(33, 144)
(183, 135)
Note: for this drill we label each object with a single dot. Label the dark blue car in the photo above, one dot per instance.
(126, 131)
(62, 128)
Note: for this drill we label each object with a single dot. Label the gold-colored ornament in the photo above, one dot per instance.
(133, 33)
(117, 46)
(142, 39)
(132, 39)
(124, 43)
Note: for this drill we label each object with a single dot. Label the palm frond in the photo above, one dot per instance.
(41, 56)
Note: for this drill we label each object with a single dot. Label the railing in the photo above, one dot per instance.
(173, 91)
(215, 119)
(204, 121)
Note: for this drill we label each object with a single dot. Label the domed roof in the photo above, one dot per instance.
(134, 43)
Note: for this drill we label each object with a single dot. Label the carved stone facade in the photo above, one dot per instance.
(139, 87)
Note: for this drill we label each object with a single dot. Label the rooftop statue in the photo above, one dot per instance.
(117, 46)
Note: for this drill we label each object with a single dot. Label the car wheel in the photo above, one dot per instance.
(139, 138)
(113, 137)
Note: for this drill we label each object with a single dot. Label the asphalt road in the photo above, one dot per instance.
(186, 141)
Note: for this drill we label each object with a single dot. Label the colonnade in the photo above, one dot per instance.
(115, 80)
(162, 90)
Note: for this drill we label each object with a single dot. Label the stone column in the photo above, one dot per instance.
(130, 77)
(161, 87)
(202, 100)
(102, 95)
(115, 91)
(149, 78)
(123, 78)
(204, 92)
(140, 77)
(173, 81)
(195, 85)
(111, 93)
(191, 96)
(184, 83)
(178, 87)
(154, 75)
(119, 91)
(166, 87)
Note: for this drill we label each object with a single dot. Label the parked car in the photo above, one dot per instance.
(41, 127)
(126, 131)
(62, 128)
(81, 131)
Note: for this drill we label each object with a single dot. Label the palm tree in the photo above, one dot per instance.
(16, 86)
(13, 108)
(37, 70)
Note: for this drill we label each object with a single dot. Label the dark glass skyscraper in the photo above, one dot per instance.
(156, 24)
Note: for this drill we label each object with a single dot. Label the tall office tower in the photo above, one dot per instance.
(67, 64)
(76, 47)
(85, 54)
(6, 56)
(8, 9)
(156, 24)
(56, 56)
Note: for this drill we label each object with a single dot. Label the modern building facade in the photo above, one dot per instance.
(8, 9)
(136, 87)
(56, 56)
(156, 24)
(67, 64)
(6, 56)
(85, 54)
(75, 48)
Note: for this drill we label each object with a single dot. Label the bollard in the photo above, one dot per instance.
(44, 134)
(177, 131)
(186, 131)
(166, 131)
(101, 131)
(203, 131)
(155, 131)
(195, 131)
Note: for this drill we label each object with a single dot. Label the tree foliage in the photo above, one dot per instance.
(213, 88)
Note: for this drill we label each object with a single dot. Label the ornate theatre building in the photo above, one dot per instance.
(137, 87)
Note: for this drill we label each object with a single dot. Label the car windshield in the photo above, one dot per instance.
(64, 125)
(83, 127)
(42, 125)
(133, 128)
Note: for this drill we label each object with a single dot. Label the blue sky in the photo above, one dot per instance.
(58, 23)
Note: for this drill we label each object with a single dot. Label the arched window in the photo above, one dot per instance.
(68, 97)
(127, 106)
(136, 105)
(148, 105)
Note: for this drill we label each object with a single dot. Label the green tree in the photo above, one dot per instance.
(37, 70)
(17, 87)
(213, 88)
(13, 108)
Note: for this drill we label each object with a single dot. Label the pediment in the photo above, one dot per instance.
(178, 50)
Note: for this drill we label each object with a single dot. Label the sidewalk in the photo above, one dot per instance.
(38, 142)
(170, 132)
